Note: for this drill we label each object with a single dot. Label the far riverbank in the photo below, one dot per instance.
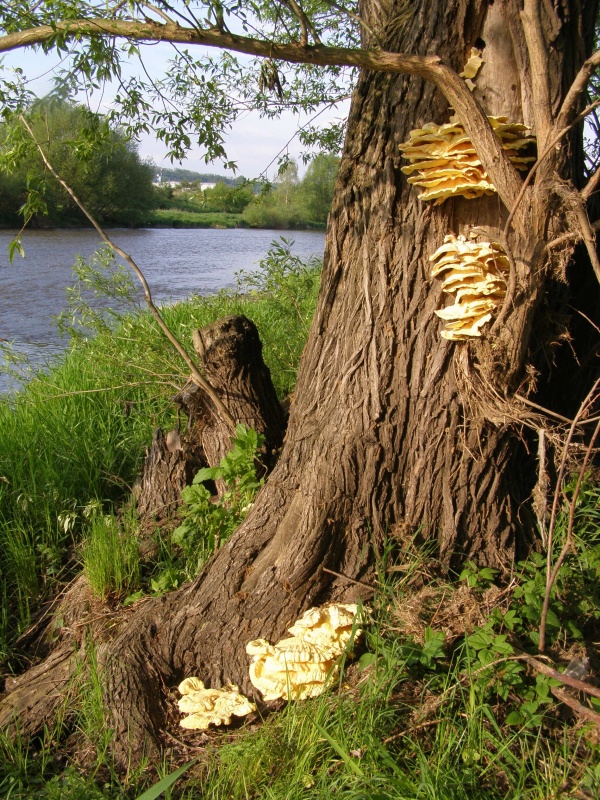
(179, 218)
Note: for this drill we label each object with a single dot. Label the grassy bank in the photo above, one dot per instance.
(440, 702)
(437, 706)
(72, 441)
(180, 218)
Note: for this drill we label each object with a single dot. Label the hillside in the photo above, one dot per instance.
(178, 174)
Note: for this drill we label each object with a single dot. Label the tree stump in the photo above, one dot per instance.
(230, 353)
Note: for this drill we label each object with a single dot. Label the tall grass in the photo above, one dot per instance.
(111, 556)
(75, 436)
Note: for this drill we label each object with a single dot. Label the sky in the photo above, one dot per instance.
(253, 143)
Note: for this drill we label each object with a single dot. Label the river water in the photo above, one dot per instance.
(177, 263)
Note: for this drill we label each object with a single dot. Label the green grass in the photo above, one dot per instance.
(409, 719)
(181, 218)
(111, 556)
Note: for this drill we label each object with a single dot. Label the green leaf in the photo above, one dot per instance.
(179, 534)
(207, 474)
(14, 247)
(132, 598)
(162, 785)
(514, 718)
(552, 620)
(366, 660)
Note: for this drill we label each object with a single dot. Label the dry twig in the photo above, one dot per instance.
(551, 572)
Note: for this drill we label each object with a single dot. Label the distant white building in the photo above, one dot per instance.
(158, 181)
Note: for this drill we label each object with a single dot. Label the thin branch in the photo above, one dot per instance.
(577, 88)
(588, 236)
(541, 158)
(561, 473)
(198, 378)
(551, 574)
(306, 25)
(511, 286)
(591, 186)
(545, 411)
(169, 20)
(568, 680)
(301, 17)
(297, 133)
(576, 706)
(540, 491)
(348, 578)
(357, 18)
(572, 237)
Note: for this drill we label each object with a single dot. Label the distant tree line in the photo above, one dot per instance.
(288, 202)
(182, 175)
(106, 173)
(101, 166)
(292, 202)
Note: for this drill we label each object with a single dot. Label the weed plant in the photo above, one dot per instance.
(207, 524)
(74, 437)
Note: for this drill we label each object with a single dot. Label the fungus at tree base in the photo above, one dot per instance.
(298, 667)
(210, 706)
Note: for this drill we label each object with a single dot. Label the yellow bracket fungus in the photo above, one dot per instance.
(211, 706)
(475, 274)
(472, 67)
(298, 667)
(446, 164)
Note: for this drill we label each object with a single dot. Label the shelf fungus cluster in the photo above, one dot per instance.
(475, 274)
(206, 707)
(443, 161)
(299, 666)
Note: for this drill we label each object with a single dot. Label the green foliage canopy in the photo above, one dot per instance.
(200, 95)
(101, 165)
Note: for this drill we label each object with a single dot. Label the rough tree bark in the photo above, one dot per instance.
(230, 354)
(391, 428)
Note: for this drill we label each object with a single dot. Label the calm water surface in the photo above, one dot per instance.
(176, 263)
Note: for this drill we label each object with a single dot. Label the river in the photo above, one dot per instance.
(177, 263)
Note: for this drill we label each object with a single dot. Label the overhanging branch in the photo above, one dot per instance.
(494, 159)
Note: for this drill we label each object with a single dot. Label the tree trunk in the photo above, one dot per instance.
(392, 429)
